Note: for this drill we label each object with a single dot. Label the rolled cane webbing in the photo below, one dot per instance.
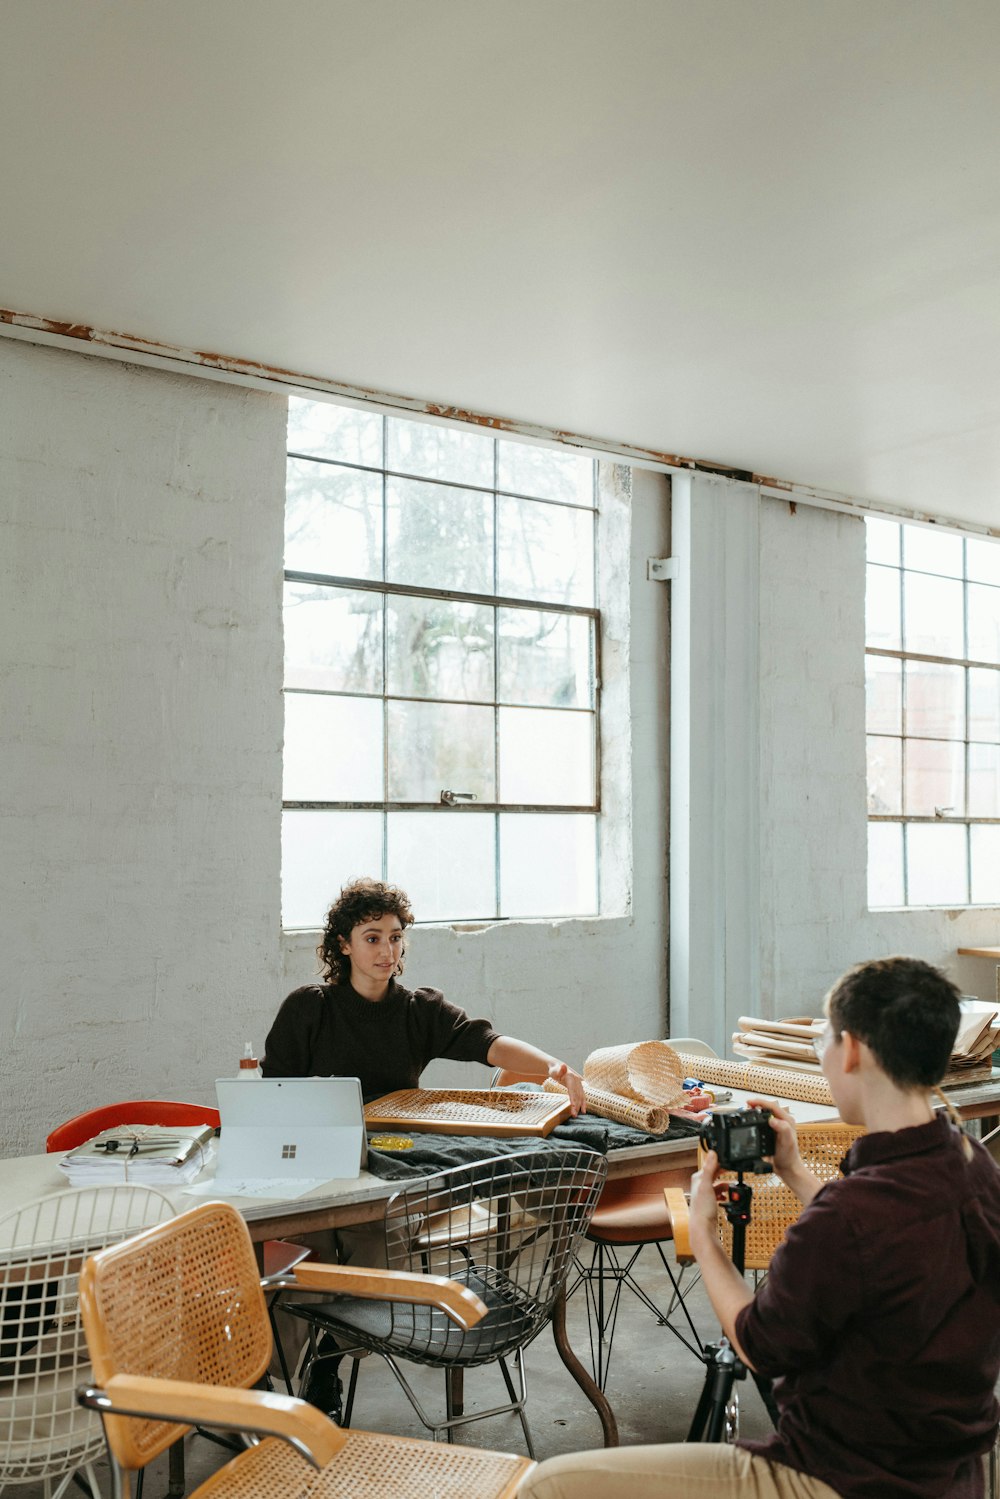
(651, 1117)
(777, 1081)
(649, 1072)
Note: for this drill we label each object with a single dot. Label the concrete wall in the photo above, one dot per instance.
(140, 731)
(768, 793)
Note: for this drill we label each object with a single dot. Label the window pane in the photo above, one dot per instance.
(936, 865)
(933, 779)
(984, 622)
(883, 695)
(545, 552)
(446, 864)
(885, 775)
(984, 780)
(932, 615)
(935, 700)
(544, 658)
(985, 854)
(546, 757)
(545, 473)
(333, 748)
(882, 540)
(882, 594)
(932, 551)
(984, 704)
(439, 452)
(438, 536)
(982, 560)
(435, 747)
(548, 865)
(885, 864)
(320, 852)
(437, 648)
(333, 520)
(333, 638)
(328, 431)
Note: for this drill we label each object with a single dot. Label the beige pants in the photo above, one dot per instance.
(691, 1470)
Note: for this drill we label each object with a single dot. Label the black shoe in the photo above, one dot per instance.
(322, 1387)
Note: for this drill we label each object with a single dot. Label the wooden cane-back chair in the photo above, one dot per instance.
(178, 1332)
(774, 1206)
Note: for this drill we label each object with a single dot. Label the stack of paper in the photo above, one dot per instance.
(154, 1155)
(779, 1043)
(978, 1038)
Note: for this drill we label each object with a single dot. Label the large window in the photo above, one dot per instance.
(441, 669)
(933, 717)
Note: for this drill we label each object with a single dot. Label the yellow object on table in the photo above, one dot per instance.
(391, 1142)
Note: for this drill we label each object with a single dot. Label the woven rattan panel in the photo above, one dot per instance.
(389, 1467)
(469, 1111)
(182, 1303)
(649, 1072)
(773, 1081)
(773, 1206)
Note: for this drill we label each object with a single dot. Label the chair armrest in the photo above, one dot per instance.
(459, 1304)
(307, 1429)
(680, 1222)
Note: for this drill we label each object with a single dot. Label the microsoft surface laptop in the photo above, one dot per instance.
(290, 1127)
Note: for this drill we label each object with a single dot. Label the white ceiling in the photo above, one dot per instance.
(760, 232)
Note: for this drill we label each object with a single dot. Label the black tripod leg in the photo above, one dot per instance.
(710, 1412)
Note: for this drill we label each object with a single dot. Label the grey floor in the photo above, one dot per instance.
(653, 1385)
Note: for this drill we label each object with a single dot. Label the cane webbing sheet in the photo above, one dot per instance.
(776, 1082)
(369, 1463)
(648, 1072)
(467, 1111)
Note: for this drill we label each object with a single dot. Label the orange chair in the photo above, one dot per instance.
(630, 1214)
(85, 1126)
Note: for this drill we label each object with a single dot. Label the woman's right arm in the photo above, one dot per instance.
(288, 1050)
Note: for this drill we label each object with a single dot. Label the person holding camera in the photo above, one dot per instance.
(879, 1320)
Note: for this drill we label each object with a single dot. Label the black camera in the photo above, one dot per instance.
(740, 1138)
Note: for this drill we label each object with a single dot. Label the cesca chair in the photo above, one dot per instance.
(45, 1436)
(178, 1333)
(506, 1228)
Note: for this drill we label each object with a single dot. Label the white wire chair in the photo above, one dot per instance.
(46, 1437)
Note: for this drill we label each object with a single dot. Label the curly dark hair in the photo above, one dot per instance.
(361, 900)
(905, 1010)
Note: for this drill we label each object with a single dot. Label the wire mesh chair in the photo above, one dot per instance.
(178, 1332)
(506, 1228)
(44, 1434)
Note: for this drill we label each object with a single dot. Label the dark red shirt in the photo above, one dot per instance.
(324, 1030)
(880, 1321)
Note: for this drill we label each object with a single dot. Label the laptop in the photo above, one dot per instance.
(290, 1128)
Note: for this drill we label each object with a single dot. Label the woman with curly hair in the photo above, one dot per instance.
(361, 1022)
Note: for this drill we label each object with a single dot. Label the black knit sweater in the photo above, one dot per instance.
(323, 1030)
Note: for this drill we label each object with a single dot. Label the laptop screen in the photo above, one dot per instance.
(292, 1127)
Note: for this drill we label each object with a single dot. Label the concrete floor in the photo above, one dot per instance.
(653, 1386)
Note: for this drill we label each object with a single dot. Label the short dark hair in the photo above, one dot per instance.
(360, 901)
(905, 1011)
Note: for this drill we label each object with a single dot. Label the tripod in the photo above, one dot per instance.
(722, 1367)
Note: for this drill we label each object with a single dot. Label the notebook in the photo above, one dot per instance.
(292, 1128)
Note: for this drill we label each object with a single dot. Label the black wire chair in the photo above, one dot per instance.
(505, 1227)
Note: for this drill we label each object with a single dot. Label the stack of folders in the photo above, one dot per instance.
(153, 1155)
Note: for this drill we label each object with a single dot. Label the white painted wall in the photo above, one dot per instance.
(768, 826)
(140, 731)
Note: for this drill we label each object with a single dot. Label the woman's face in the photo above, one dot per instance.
(374, 948)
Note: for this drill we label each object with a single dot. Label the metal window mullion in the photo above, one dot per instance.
(385, 655)
(451, 595)
(496, 674)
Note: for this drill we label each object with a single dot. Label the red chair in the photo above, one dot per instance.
(84, 1127)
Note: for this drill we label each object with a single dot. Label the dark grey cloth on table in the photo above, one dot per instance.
(432, 1152)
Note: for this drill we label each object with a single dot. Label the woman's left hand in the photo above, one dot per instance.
(572, 1082)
